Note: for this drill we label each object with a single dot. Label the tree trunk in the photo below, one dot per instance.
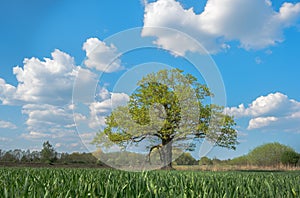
(167, 154)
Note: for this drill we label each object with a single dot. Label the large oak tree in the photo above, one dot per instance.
(169, 108)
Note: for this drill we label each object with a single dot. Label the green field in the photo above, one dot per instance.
(67, 182)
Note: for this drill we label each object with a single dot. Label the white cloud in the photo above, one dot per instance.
(7, 125)
(272, 112)
(89, 135)
(274, 103)
(84, 86)
(99, 110)
(7, 92)
(43, 82)
(44, 91)
(48, 121)
(104, 93)
(261, 122)
(101, 56)
(87, 138)
(34, 135)
(255, 24)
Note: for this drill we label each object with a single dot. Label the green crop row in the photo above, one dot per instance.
(58, 182)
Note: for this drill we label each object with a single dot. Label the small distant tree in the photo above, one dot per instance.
(205, 161)
(8, 157)
(241, 160)
(63, 158)
(48, 154)
(217, 161)
(35, 156)
(186, 159)
(18, 154)
(290, 157)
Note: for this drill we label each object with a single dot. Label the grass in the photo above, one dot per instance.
(68, 182)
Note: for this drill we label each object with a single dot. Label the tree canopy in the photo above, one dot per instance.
(48, 153)
(290, 157)
(168, 109)
(268, 154)
(186, 159)
(205, 161)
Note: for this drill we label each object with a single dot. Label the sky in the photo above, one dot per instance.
(65, 64)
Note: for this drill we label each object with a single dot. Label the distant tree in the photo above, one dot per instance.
(217, 161)
(18, 154)
(242, 160)
(75, 158)
(268, 154)
(63, 158)
(9, 157)
(1, 154)
(89, 158)
(81, 158)
(99, 154)
(25, 156)
(186, 159)
(205, 161)
(35, 156)
(48, 154)
(290, 157)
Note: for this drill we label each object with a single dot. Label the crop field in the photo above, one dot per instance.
(68, 182)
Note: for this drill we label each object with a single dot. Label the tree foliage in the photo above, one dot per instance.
(167, 109)
(241, 160)
(48, 153)
(205, 161)
(290, 157)
(268, 154)
(186, 159)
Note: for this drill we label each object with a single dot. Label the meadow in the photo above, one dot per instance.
(72, 182)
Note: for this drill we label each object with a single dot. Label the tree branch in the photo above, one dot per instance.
(152, 148)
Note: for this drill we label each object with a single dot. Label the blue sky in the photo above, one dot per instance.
(253, 44)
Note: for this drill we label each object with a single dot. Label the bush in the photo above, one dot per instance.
(268, 154)
(186, 159)
(241, 161)
(290, 158)
(205, 161)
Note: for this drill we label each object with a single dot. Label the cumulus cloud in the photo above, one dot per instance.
(255, 24)
(50, 89)
(46, 82)
(49, 121)
(260, 122)
(7, 92)
(99, 110)
(84, 86)
(101, 56)
(54, 123)
(274, 103)
(7, 125)
(274, 111)
(87, 137)
(44, 91)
